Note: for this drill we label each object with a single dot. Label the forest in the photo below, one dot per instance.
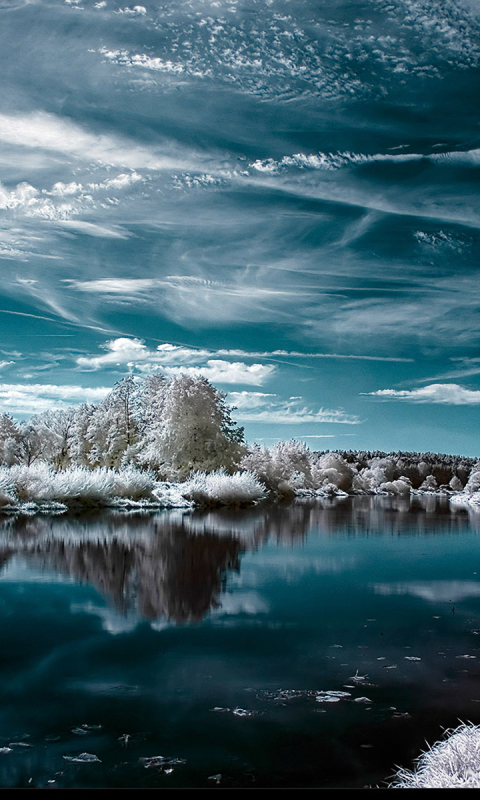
(173, 442)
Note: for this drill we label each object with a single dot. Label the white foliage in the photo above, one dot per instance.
(401, 486)
(283, 469)
(39, 483)
(219, 489)
(331, 468)
(429, 484)
(473, 484)
(8, 494)
(450, 764)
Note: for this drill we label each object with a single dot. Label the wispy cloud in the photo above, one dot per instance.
(135, 354)
(451, 394)
(33, 398)
(60, 135)
(269, 408)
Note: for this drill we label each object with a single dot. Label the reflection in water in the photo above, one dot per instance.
(173, 565)
(331, 639)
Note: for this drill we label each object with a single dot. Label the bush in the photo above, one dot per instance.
(452, 764)
(219, 489)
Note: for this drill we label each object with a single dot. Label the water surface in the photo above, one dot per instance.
(209, 638)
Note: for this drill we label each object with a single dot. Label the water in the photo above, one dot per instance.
(209, 638)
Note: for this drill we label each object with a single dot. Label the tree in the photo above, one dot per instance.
(196, 431)
(54, 430)
(10, 442)
(113, 429)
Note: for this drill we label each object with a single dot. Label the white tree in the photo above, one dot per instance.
(80, 446)
(54, 430)
(197, 431)
(10, 442)
(113, 429)
(149, 415)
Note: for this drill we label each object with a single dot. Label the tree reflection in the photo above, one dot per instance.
(174, 565)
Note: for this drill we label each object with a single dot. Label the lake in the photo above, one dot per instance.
(312, 644)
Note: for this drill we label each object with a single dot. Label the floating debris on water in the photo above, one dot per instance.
(412, 658)
(5, 750)
(79, 731)
(160, 762)
(19, 744)
(83, 758)
(362, 700)
(244, 712)
(124, 738)
(465, 656)
(216, 778)
(389, 666)
(327, 699)
(358, 678)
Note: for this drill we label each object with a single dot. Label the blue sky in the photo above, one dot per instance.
(279, 195)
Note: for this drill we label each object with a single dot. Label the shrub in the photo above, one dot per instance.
(219, 489)
(451, 764)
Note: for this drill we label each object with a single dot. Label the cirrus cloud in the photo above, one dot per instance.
(451, 394)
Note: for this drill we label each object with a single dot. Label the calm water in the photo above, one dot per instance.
(207, 638)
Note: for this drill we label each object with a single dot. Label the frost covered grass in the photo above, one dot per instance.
(220, 489)
(39, 483)
(128, 488)
(450, 764)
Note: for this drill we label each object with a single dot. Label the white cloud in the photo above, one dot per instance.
(451, 394)
(91, 229)
(166, 354)
(33, 398)
(48, 132)
(136, 11)
(219, 371)
(134, 352)
(268, 408)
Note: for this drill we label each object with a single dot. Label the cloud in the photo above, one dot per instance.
(25, 398)
(60, 135)
(219, 371)
(91, 229)
(268, 408)
(134, 353)
(451, 394)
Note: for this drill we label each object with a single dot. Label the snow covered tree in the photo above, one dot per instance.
(196, 431)
(113, 430)
(10, 442)
(80, 446)
(150, 408)
(55, 429)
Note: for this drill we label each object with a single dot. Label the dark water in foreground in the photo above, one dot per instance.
(207, 639)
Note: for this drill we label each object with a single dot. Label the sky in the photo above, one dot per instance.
(280, 195)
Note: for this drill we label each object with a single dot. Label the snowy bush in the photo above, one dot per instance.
(332, 468)
(8, 495)
(401, 486)
(429, 484)
(473, 484)
(219, 489)
(39, 483)
(451, 764)
(281, 469)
